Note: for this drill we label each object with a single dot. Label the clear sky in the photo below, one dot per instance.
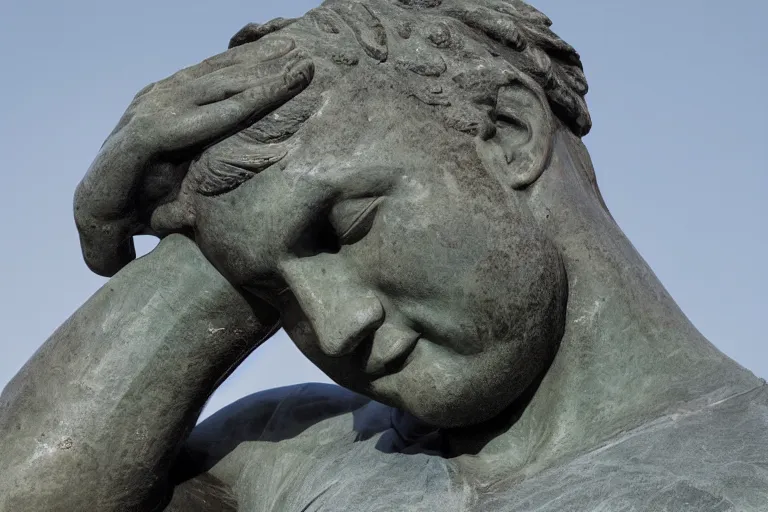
(677, 97)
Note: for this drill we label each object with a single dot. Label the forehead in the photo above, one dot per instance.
(358, 113)
(369, 104)
(360, 110)
(339, 131)
(375, 65)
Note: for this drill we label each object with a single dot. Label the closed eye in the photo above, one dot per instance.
(352, 219)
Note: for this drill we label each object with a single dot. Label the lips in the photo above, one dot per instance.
(389, 353)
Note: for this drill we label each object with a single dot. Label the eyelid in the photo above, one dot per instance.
(352, 233)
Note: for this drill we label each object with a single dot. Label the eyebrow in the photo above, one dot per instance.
(220, 174)
(224, 171)
(283, 123)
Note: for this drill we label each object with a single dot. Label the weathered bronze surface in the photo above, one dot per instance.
(402, 186)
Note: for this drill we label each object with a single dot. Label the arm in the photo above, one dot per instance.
(94, 419)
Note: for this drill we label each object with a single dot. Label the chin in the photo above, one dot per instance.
(463, 397)
(452, 412)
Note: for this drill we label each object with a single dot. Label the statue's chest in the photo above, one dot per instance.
(416, 484)
(628, 477)
(364, 478)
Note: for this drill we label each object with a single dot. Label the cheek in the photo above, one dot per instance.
(517, 294)
(515, 297)
(419, 251)
(497, 275)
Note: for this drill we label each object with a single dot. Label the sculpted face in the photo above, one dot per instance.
(383, 211)
(399, 266)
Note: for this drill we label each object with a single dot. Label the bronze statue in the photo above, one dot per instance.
(402, 186)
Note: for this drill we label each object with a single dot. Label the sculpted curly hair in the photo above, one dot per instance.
(453, 55)
(511, 29)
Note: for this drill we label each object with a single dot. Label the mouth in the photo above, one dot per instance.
(398, 355)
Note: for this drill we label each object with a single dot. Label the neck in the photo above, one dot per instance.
(628, 355)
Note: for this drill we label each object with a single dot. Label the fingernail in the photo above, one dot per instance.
(300, 73)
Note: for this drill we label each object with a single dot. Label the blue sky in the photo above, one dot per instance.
(677, 97)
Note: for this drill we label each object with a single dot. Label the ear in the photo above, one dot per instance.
(521, 147)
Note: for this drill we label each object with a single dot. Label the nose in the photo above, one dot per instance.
(341, 310)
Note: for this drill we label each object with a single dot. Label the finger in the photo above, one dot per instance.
(253, 31)
(112, 202)
(233, 80)
(109, 260)
(107, 246)
(262, 51)
(103, 207)
(247, 107)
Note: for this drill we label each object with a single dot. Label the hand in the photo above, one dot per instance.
(143, 162)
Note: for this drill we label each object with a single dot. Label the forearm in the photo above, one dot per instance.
(93, 420)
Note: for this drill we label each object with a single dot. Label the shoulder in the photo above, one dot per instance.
(246, 437)
(716, 457)
(713, 459)
(280, 414)
(280, 420)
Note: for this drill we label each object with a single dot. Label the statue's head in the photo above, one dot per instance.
(386, 210)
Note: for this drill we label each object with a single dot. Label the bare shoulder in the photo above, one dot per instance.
(310, 447)
(713, 459)
(245, 436)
